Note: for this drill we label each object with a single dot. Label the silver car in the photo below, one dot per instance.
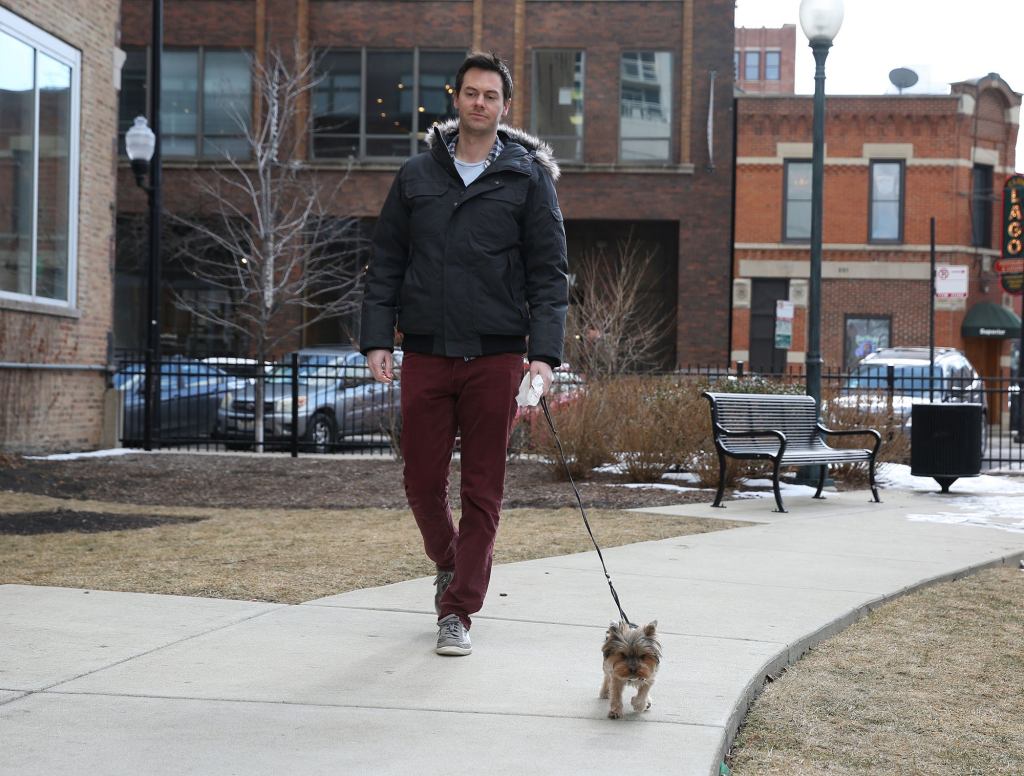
(952, 379)
(338, 403)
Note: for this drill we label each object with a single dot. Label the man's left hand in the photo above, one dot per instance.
(543, 369)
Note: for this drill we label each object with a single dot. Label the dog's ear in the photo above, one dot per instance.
(649, 628)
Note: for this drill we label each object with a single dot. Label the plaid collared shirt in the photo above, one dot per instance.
(495, 152)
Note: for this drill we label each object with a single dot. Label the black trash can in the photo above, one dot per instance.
(945, 442)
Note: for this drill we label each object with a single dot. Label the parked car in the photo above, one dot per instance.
(190, 394)
(952, 379)
(337, 399)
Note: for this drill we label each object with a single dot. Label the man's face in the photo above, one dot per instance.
(479, 102)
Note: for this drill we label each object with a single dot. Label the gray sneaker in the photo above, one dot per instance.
(441, 582)
(452, 637)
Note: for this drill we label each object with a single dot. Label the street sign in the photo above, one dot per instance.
(951, 282)
(784, 314)
(1013, 219)
(1009, 265)
(1012, 283)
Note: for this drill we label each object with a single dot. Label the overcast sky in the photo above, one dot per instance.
(943, 41)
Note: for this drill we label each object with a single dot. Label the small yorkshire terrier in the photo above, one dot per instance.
(631, 656)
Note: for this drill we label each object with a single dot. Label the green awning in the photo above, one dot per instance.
(987, 319)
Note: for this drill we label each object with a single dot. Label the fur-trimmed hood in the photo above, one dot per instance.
(540, 150)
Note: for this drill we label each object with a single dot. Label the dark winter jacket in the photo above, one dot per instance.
(469, 271)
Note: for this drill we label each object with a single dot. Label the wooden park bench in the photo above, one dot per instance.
(783, 429)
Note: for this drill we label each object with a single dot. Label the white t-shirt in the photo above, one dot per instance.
(469, 171)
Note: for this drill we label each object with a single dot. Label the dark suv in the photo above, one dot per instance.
(953, 379)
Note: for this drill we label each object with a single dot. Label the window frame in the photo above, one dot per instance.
(778, 65)
(39, 40)
(200, 133)
(415, 131)
(786, 199)
(871, 201)
(534, 91)
(673, 92)
(746, 56)
(982, 207)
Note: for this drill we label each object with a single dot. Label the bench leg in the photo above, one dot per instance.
(871, 480)
(721, 482)
(821, 481)
(775, 487)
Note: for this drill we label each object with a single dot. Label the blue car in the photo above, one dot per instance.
(190, 394)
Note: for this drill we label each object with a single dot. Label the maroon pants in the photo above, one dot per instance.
(440, 397)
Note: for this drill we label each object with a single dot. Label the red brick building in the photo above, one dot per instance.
(892, 162)
(58, 119)
(763, 59)
(635, 97)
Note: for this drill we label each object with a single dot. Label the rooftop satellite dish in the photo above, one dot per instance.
(902, 78)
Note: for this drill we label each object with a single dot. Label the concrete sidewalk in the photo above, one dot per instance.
(121, 683)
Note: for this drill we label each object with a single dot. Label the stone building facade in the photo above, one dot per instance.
(58, 114)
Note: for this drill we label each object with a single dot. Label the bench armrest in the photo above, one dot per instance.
(853, 432)
(756, 432)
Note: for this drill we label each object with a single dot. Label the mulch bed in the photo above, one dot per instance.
(64, 520)
(254, 481)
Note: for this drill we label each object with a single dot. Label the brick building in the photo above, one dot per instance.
(892, 162)
(58, 114)
(635, 97)
(763, 60)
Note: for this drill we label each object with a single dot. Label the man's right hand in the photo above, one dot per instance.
(381, 362)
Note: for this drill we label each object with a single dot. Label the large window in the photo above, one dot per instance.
(796, 213)
(558, 101)
(205, 101)
(380, 104)
(772, 60)
(39, 106)
(981, 206)
(886, 201)
(645, 106)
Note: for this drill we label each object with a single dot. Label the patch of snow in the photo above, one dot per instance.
(681, 476)
(656, 485)
(75, 456)
(784, 487)
(894, 475)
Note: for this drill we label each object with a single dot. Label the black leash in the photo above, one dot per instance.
(586, 522)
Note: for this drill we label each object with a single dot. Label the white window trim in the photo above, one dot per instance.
(40, 40)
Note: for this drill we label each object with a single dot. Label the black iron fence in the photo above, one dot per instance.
(328, 403)
(323, 403)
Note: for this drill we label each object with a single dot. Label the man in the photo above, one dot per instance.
(469, 261)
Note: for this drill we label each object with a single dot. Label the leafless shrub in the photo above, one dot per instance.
(582, 426)
(895, 441)
(611, 328)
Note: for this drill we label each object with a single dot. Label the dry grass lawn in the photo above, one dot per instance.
(928, 685)
(287, 556)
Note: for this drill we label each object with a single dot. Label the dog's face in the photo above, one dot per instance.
(632, 654)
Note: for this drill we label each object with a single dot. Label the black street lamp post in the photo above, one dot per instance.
(142, 145)
(820, 20)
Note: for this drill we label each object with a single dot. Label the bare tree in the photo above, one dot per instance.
(265, 236)
(613, 326)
